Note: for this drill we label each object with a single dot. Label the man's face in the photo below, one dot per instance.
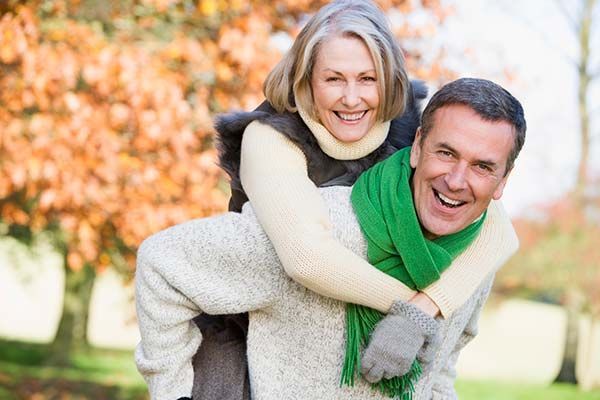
(459, 168)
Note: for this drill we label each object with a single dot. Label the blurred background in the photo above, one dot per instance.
(106, 131)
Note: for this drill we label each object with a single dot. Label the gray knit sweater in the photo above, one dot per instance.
(296, 338)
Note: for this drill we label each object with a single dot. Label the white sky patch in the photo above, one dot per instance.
(532, 41)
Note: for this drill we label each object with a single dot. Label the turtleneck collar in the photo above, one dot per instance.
(339, 150)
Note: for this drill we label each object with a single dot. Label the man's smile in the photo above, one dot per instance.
(447, 201)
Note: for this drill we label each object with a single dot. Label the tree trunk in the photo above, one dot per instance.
(567, 368)
(573, 304)
(584, 79)
(71, 333)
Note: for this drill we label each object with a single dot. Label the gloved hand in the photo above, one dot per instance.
(396, 340)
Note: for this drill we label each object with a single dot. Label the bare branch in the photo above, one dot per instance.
(571, 20)
(549, 40)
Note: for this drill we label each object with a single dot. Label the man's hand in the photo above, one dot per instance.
(395, 342)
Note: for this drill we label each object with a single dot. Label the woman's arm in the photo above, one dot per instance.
(274, 175)
(288, 205)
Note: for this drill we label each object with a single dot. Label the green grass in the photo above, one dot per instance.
(100, 374)
(92, 374)
(478, 390)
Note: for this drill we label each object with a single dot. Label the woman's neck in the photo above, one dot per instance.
(339, 150)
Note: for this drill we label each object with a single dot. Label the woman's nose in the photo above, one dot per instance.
(351, 95)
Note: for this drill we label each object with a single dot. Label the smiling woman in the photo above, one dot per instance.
(345, 90)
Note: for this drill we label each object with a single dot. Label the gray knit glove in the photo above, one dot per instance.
(395, 342)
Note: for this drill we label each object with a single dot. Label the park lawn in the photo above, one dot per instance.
(101, 374)
(97, 374)
(492, 390)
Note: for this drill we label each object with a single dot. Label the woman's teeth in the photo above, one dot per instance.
(350, 116)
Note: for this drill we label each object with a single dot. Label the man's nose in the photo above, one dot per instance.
(351, 95)
(456, 179)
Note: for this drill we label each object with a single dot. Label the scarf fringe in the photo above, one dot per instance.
(383, 203)
(363, 321)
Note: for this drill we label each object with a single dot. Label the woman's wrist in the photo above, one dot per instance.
(425, 304)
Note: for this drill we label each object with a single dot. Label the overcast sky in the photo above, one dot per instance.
(532, 40)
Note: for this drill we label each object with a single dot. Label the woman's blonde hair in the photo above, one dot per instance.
(290, 81)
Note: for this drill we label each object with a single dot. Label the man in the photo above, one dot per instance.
(472, 130)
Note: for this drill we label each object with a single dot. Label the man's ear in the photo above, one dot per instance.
(415, 150)
(500, 188)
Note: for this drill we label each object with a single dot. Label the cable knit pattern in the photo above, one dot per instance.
(291, 211)
(339, 150)
(226, 264)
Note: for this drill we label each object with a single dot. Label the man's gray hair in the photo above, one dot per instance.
(489, 100)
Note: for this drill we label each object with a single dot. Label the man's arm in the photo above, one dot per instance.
(443, 384)
(216, 265)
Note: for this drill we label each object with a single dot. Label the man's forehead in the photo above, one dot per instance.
(461, 129)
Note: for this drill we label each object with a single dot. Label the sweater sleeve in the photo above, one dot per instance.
(443, 385)
(288, 205)
(274, 175)
(204, 265)
(494, 245)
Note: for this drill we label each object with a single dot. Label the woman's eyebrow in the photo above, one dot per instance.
(369, 71)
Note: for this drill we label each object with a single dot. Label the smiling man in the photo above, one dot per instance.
(415, 212)
(462, 160)
(470, 135)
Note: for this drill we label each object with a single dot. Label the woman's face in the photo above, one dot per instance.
(345, 88)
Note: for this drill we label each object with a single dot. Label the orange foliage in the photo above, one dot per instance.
(102, 135)
(109, 135)
(559, 253)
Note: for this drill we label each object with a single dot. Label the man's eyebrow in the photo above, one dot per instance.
(490, 163)
(446, 146)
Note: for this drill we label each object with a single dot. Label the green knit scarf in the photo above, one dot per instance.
(383, 203)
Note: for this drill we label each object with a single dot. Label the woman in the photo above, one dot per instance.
(330, 115)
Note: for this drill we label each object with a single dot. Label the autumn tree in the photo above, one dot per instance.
(582, 17)
(105, 114)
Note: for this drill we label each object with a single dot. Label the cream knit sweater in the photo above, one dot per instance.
(296, 338)
(290, 209)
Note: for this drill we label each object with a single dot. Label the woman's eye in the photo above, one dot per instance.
(332, 79)
(370, 79)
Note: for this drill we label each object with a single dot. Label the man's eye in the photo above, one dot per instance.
(445, 153)
(484, 168)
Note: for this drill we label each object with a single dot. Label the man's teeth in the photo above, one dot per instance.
(351, 117)
(449, 201)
